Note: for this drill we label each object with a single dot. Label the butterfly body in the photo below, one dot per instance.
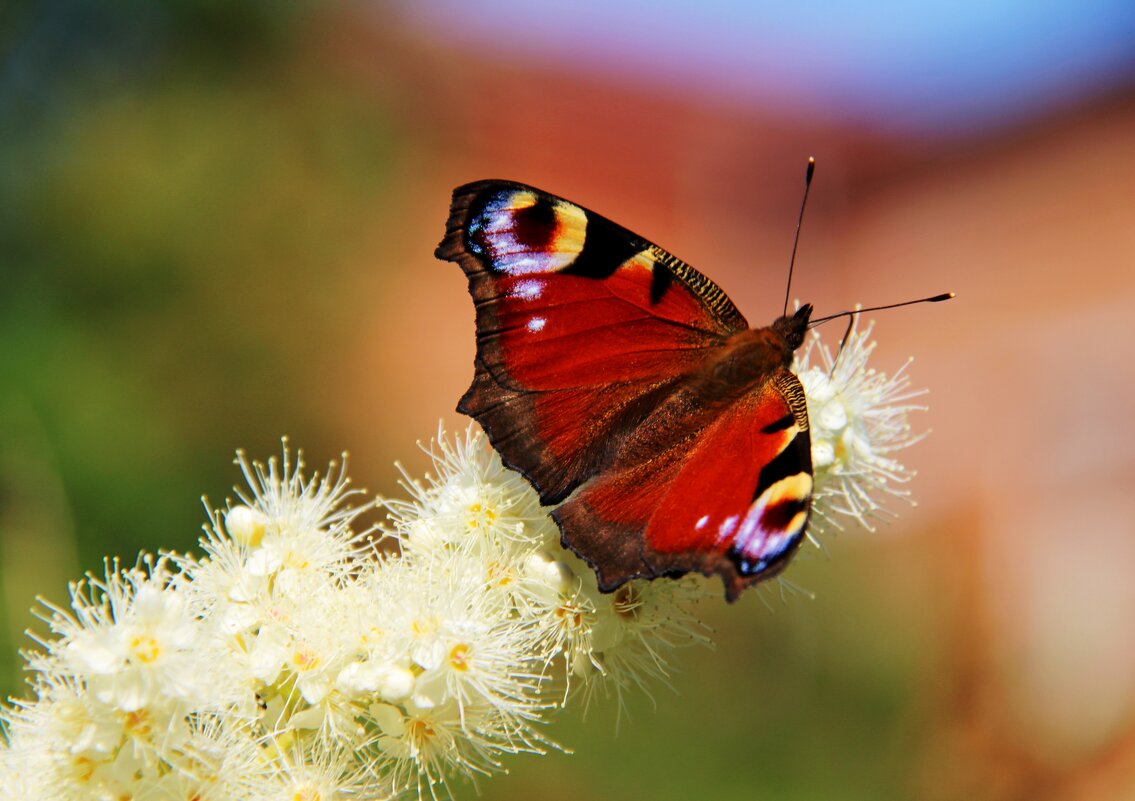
(627, 388)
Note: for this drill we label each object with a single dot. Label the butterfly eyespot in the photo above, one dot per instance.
(773, 525)
(523, 233)
(524, 200)
(784, 516)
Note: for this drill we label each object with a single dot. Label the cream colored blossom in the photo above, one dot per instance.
(859, 422)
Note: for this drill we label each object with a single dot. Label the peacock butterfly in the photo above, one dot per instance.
(627, 387)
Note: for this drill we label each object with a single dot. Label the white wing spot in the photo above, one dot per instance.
(726, 528)
(528, 289)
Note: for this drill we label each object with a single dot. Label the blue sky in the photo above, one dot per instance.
(916, 65)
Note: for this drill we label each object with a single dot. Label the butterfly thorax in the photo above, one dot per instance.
(749, 357)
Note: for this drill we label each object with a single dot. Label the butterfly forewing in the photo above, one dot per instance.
(580, 324)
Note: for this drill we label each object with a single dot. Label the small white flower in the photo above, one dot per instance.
(219, 760)
(426, 747)
(306, 522)
(858, 419)
(222, 586)
(473, 500)
(72, 746)
(462, 639)
(636, 628)
(315, 771)
(130, 639)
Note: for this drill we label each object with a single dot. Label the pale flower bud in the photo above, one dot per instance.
(245, 525)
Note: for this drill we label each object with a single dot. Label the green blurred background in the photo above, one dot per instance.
(216, 228)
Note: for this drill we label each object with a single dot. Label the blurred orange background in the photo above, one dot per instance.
(216, 228)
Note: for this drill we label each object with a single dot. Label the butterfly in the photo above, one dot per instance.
(628, 389)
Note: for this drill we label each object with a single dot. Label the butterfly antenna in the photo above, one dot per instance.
(851, 315)
(799, 221)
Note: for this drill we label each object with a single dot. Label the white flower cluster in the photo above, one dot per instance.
(858, 419)
(297, 659)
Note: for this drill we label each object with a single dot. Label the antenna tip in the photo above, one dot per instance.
(940, 298)
(811, 169)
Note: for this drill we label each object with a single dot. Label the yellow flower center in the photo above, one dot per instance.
(569, 616)
(420, 733)
(297, 560)
(145, 649)
(84, 768)
(371, 635)
(305, 659)
(307, 794)
(480, 515)
(498, 573)
(459, 657)
(421, 628)
(137, 723)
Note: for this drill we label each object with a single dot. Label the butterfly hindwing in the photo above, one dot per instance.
(581, 326)
(732, 499)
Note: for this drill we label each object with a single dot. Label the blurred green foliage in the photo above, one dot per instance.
(177, 190)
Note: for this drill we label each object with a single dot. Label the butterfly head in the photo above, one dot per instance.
(793, 328)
